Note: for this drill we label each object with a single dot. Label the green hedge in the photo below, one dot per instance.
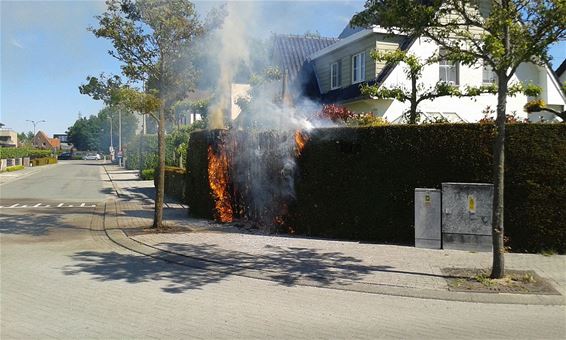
(175, 182)
(43, 161)
(358, 183)
(148, 174)
(6, 153)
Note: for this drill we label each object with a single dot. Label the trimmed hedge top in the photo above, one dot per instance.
(6, 153)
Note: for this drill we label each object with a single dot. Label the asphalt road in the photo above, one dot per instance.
(67, 180)
(61, 279)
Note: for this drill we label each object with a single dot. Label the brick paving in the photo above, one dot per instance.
(386, 269)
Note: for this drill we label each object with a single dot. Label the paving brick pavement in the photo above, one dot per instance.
(385, 269)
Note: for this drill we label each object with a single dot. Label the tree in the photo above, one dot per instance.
(418, 92)
(152, 39)
(25, 139)
(85, 133)
(503, 34)
(109, 116)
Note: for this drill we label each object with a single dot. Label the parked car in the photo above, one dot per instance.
(92, 157)
(65, 155)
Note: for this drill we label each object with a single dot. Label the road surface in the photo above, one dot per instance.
(61, 279)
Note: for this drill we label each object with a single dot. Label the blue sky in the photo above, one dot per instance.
(46, 52)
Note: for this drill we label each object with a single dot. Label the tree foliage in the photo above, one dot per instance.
(25, 139)
(85, 133)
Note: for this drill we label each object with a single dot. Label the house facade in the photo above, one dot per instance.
(41, 141)
(8, 137)
(341, 68)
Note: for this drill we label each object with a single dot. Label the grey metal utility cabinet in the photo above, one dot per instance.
(466, 216)
(427, 218)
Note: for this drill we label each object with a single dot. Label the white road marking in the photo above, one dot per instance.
(41, 205)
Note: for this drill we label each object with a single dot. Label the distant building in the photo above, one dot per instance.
(62, 137)
(64, 141)
(8, 137)
(41, 141)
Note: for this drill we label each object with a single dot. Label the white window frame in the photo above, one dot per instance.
(358, 71)
(444, 67)
(488, 75)
(334, 76)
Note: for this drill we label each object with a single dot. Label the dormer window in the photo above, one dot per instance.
(335, 75)
(448, 70)
(358, 67)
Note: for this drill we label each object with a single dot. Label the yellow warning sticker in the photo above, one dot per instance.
(471, 204)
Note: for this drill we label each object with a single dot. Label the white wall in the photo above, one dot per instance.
(470, 109)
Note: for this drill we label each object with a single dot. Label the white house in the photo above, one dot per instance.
(341, 68)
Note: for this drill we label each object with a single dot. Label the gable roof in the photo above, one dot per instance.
(349, 30)
(291, 52)
(40, 138)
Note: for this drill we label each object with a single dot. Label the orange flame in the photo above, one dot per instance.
(300, 142)
(218, 180)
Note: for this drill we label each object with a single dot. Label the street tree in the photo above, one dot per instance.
(152, 39)
(502, 34)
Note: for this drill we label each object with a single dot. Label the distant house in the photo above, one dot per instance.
(41, 141)
(8, 137)
(63, 141)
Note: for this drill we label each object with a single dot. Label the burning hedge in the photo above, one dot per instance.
(358, 183)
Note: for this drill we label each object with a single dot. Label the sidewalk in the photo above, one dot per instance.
(374, 268)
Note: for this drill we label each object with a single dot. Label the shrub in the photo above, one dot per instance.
(336, 113)
(358, 183)
(366, 119)
(147, 174)
(14, 168)
(43, 161)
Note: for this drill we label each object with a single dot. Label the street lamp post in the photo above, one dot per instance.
(111, 142)
(35, 122)
(120, 136)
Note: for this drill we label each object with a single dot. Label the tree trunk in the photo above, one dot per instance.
(498, 269)
(413, 110)
(160, 189)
